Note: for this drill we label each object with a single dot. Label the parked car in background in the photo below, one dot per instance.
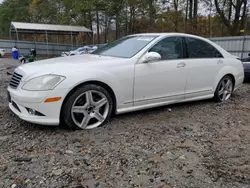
(89, 50)
(64, 54)
(133, 73)
(246, 65)
(80, 51)
(2, 52)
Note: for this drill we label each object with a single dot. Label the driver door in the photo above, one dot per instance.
(163, 80)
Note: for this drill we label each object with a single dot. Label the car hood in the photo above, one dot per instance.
(66, 64)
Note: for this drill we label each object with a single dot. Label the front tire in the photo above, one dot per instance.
(88, 107)
(224, 89)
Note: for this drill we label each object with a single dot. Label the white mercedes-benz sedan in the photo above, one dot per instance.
(133, 73)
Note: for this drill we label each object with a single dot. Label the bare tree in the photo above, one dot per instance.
(186, 16)
(176, 5)
(195, 15)
(152, 13)
(233, 24)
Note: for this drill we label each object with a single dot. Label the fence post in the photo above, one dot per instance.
(47, 41)
(71, 40)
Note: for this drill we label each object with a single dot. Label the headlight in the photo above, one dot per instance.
(43, 83)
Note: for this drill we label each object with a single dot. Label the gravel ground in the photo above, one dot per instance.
(198, 144)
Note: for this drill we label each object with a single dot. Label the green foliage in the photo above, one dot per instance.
(115, 18)
(13, 10)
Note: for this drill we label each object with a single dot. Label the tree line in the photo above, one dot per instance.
(112, 19)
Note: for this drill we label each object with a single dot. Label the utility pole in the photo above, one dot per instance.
(244, 38)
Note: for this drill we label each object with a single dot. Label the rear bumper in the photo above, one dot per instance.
(239, 81)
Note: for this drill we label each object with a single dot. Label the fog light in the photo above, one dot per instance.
(32, 111)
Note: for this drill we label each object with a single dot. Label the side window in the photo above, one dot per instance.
(169, 48)
(200, 49)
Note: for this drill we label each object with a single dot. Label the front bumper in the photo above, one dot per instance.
(49, 113)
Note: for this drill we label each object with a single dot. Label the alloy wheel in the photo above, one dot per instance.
(90, 109)
(225, 89)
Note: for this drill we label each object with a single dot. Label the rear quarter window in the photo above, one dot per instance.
(197, 48)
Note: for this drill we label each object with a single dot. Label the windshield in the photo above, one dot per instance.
(125, 47)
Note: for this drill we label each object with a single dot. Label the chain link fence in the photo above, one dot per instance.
(239, 46)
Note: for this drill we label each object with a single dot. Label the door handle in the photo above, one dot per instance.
(219, 61)
(180, 65)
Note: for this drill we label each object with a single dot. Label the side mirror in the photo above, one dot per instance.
(151, 56)
(249, 55)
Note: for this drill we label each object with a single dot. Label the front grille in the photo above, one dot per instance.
(15, 80)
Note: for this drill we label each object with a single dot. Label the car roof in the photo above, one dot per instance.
(162, 35)
(167, 34)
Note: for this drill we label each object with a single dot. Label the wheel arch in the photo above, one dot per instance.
(226, 71)
(218, 79)
(94, 82)
(233, 78)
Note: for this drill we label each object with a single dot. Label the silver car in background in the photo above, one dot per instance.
(80, 51)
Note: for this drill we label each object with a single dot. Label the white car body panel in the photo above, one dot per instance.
(136, 85)
(153, 82)
(198, 83)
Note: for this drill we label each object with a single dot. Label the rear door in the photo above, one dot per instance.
(204, 62)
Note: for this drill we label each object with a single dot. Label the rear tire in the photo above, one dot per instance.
(224, 89)
(88, 107)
